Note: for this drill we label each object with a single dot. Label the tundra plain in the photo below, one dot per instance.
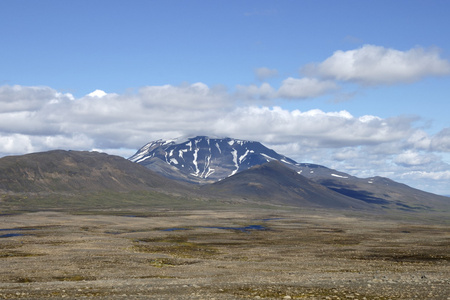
(251, 253)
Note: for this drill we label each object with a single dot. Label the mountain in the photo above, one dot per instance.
(78, 171)
(207, 160)
(202, 159)
(235, 169)
(275, 183)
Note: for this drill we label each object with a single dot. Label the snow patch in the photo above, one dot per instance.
(339, 176)
(242, 157)
(269, 158)
(168, 142)
(286, 162)
(218, 148)
(180, 153)
(174, 161)
(235, 160)
(195, 163)
(139, 160)
(210, 171)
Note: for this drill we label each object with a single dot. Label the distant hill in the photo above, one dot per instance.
(78, 171)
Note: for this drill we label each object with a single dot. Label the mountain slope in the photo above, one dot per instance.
(78, 171)
(202, 159)
(275, 183)
(386, 193)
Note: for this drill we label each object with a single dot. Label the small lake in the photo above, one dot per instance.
(11, 235)
(246, 229)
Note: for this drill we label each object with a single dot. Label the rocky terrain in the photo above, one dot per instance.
(223, 254)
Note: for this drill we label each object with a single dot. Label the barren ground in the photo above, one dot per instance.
(257, 254)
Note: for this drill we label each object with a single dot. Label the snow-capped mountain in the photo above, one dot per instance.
(203, 159)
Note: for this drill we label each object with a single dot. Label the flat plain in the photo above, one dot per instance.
(223, 254)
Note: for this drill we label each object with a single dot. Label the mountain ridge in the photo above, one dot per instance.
(269, 180)
(239, 155)
(60, 171)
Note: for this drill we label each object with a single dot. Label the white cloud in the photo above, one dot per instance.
(15, 144)
(98, 93)
(253, 92)
(441, 141)
(131, 120)
(375, 65)
(419, 139)
(314, 128)
(303, 88)
(412, 158)
(265, 73)
(21, 98)
(440, 175)
(291, 88)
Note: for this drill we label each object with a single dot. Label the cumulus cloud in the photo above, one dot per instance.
(19, 98)
(412, 158)
(130, 120)
(253, 92)
(376, 65)
(441, 141)
(101, 120)
(265, 73)
(303, 88)
(442, 175)
(15, 144)
(97, 93)
(314, 128)
(291, 88)
(369, 65)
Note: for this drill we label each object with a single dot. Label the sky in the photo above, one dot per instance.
(358, 86)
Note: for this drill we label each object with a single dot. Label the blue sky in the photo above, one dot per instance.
(360, 86)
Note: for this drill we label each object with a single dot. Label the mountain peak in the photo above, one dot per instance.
(204, 159)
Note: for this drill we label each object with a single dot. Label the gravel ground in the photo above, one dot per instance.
(252, 254)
